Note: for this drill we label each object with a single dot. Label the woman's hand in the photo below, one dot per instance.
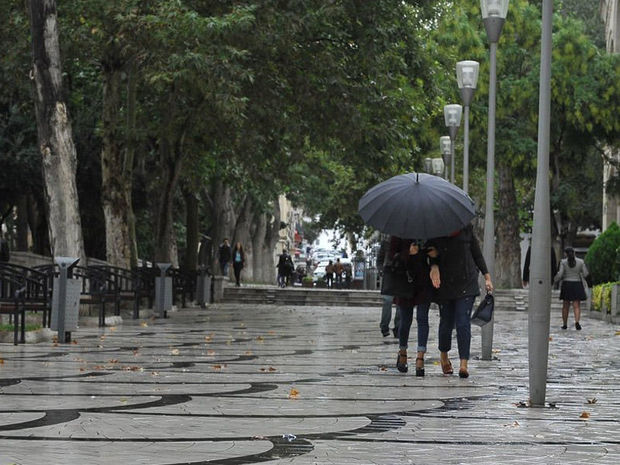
(435, 276)
(414, 249)
(487, 283)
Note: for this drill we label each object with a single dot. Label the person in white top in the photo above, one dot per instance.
(571, 273)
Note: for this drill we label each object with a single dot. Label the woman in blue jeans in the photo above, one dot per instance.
(418, 271)
(454, 274)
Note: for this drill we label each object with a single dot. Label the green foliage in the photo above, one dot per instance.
(29, 327)
(601, 257)
(601, 296)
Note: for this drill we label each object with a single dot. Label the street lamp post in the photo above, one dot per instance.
(445, 146)
(438, 166)
(493, 15)
(452, 114)
(428, 165)
(538, 316)
(467, 78)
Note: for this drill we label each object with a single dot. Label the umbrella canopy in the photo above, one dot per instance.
(416, 206)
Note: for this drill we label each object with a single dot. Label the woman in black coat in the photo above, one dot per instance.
(454, 274)
(417, 294)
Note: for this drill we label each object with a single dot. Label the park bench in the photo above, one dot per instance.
(13, 288)
(37, 294)
(133, 285)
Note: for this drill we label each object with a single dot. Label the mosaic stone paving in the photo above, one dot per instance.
(237, 384)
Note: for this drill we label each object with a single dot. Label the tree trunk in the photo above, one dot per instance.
(115, 184)
(224, 217)
(264, 240)
(21, 243)
(508, 251)
(170, 166)
(243, 235)
(38, 225)
(131, 143)
(191, 252)
(54, 134)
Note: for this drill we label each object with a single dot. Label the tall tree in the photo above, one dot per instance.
(54, 133)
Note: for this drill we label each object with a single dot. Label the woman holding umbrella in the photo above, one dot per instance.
(454, 273)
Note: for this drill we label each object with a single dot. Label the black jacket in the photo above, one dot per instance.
(459, 261)
(225, 252)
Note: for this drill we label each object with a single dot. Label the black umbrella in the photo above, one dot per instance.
(416, 206)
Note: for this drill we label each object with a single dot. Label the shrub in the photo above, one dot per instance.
(601, 296)
(601, 258)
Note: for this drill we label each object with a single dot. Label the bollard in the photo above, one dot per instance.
(163, 291)
(203, 287)
(65, 299)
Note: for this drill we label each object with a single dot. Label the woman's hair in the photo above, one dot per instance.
(570, 254)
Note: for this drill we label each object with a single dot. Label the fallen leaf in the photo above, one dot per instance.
(592, 401)
(210, 352)
(208, 338)
(113, 361)
(217, 367)
(272, 369)
(144, 324)
(248, 352)
(1, 361)
(271, 332)
(74, 342)
(521, 404)
(617, 333)
(136, 353)
(584, 415)
(550, 338)
(174, 351)
(260, 338)
(112, 328)
(293, 394)
(154, 373)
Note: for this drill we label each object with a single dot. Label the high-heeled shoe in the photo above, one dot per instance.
(463, 373)
(401, 361)
(446, 367)
(419, 366)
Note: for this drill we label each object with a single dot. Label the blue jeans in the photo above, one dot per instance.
(386, 314)
(453, 313)
(406, 318)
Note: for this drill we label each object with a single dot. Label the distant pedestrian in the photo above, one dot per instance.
(455, 276)
(5, 255)
(526, 266)
(388, 299)
(238, 257)
(285, 268)
(224, 255)
(572, 272)
(329, 274)
(338, 270)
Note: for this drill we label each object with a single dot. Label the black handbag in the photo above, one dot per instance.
(484, 312)
(397, 281)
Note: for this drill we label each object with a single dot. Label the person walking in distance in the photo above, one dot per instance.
(238, 261)
(329, 274)
(572, 270)
(388, 300)
(338, 270)
(224, 255)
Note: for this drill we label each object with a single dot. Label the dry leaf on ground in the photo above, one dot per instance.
(584, 415)
(293, 394)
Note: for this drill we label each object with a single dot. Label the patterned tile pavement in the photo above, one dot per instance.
(236, 384)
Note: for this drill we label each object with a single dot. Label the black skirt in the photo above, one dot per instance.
(572, 291)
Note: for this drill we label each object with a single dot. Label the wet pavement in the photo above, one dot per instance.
(237, 384)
